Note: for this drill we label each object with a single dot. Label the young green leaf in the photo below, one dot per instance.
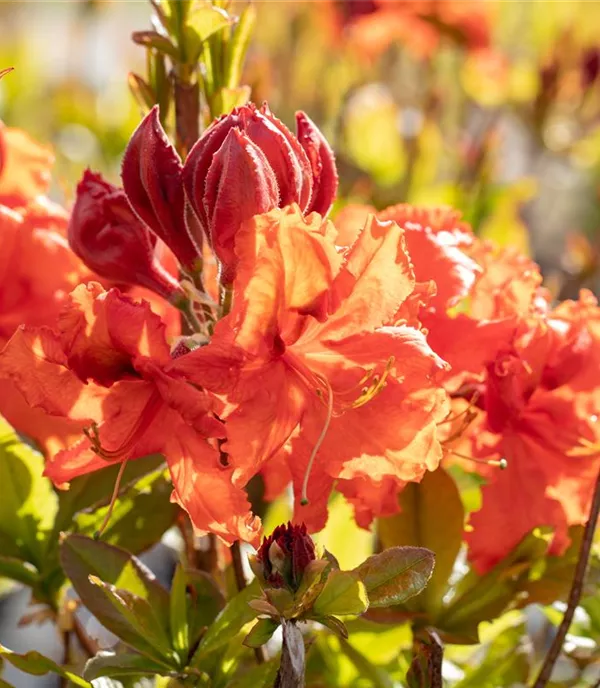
(123, 664)
(335, 625)
(29, 504)
(206, 601)
(233, 618)
(153, 39)
(140, 615)
(396, 574)
(81, 557)
(180, 630)
(202, 22)
(36, 664)
(94, 489)
(262, 631)
(141, 515)
(17, 570)
(343, 593)
(238, 46)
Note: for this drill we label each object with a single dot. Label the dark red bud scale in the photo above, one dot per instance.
(151, 174)
(285, 554)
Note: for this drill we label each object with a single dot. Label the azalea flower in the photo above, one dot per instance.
(540, 405)
(305, 364)
(108, 365)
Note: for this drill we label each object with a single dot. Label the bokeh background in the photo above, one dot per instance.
(490, 106)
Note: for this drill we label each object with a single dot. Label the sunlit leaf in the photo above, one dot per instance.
(81, 557)
(261, 632)
(343, 593)
(36, 664)
(431, 516)
(232, 619)
(396, 574)
(123, 664)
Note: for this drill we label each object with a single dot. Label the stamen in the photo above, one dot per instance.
(502, 464)
(319, 442)
(142, 423)
(450, 418)
(113, 500)
(377, 384)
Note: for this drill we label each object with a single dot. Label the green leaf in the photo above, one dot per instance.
(225, 99)
(94, 489)
(396, 574)
(238, 46)
(205, 602)
(262, 676)
(142, 92)
(81, 557)
(334, 625)
(29, 504)
(140, 615)
(36, 664)
(233, 618)
(17, 570)
(480, 598)
(140, 516)
(152, 39)
(123, 664)
(431, 516)
(203, 21)
(343, 593)
(261, 632)
(180, 631)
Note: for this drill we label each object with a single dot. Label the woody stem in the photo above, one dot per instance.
(187, 108)
(574, 594)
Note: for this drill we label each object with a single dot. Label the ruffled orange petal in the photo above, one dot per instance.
(514, 502)
(286, 264)
(34, 360)
(204, 488)
(104, 332)
(375, 279)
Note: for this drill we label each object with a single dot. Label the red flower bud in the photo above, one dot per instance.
(298, 171)
(285, 554)
(151, 174)
(105, 233)
(322, 162)
(239, 166)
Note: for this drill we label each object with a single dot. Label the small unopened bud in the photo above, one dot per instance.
(110, 239)
(151, 175)
(322, 162)
(285, 554)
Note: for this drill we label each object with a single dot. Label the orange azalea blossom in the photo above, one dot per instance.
(24, 167)
(541, 404)
(419, 25)
(37, 270)
(308, 373)
(108, 366)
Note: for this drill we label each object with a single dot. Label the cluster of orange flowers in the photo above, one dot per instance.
(353, 355)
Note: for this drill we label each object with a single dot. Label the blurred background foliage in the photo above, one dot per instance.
(494, 108)
(495, 111)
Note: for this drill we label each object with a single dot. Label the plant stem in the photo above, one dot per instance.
(84, 640)
(66, 660)
(240, 581)
(574, 594)
(238, 567)
(187, 110)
